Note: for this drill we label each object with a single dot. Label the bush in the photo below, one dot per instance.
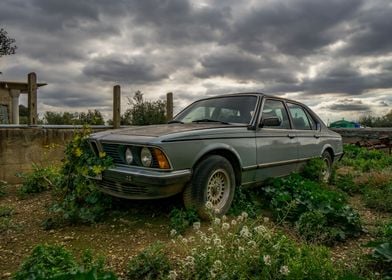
(151, 263)
(313, 169)
(379, 198)
(77, 198)
(180, 219)
(240, 248)
(54, 262)
(292, 197)
(39, 180)
(245, 200)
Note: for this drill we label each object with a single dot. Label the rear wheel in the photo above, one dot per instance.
(212, 186)
(326, 173)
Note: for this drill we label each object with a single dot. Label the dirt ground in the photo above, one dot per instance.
(121, 235)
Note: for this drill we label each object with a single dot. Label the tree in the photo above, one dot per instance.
(7, 46)
(91, 118)
(144, 112)
(372, 121)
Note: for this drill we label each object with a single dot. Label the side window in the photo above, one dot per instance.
(312, 121)
(299, 117)
(275, 108)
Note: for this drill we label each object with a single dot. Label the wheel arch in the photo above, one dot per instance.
(329, 149)
(228, 153)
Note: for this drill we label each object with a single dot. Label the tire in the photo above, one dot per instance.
(213, 181)
(326, 174)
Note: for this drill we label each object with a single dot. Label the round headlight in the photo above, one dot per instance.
(146, 157)
(128, 156)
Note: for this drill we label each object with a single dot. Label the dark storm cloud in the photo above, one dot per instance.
(120, 69)
(299, 27)
(349, 105)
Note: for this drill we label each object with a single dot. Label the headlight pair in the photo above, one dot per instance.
(148, 157)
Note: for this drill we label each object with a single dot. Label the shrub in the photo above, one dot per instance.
(293, 196)
(313, 169)
(379, 198)
(345, 182)
(180, 219)
(151, 263)
(54, 262)
(6, 222)
(77, 198)
(239, 248)
(245, 200)
(39, 180)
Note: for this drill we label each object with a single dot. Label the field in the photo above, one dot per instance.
(290, 228)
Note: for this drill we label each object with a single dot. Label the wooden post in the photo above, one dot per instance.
(32, 98)
(116, 106)
(169, 106)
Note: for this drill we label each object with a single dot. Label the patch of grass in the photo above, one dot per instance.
(365, 160)
(346, 183)
(6, 211)
(379, 198)
(42, 178)
(313, 169)
(6, 222)
(242, 248)
(181, 219)
(320, 214)
(55, 262)
(151, 263)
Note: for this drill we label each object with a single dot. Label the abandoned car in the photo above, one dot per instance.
(213, 146)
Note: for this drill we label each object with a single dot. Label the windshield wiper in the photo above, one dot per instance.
(209, 120)
(175, 121)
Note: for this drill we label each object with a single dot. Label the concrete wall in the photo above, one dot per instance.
(20, 147)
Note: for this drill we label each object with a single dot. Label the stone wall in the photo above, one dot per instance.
(20, 147)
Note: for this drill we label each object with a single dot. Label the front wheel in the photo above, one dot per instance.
(212, 187)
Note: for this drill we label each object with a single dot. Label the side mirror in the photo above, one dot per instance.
(271, 121)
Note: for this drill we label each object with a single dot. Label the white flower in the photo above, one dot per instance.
(266, 219)
(225, 226)
(189, 260)
(252, 243)
(244, 215)
(209, 205)
(241, 249)
(217, 265)
(217, 221)
(244, 232)
(240, 219)
(267, 259)
(184, 240)
(284, 269)
(172, 275)
(233, 222)
(191, 239)
(261, 230)
(217, 242)
(210, 229)
(173, 233)
(196, 225)
(224, 218)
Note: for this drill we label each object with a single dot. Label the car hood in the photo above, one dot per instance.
(164, 129)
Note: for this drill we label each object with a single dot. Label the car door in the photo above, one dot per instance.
(306, 131)
(277, 146)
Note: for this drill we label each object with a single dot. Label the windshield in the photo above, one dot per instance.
(229, 109)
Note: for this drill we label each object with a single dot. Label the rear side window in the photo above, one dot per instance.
(275, 108)
(299, 117)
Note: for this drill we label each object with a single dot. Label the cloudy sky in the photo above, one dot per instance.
(333, 55)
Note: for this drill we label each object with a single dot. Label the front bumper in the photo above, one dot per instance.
(135, 183)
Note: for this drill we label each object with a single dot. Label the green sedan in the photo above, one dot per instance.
(213, 146)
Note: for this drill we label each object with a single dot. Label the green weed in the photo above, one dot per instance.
(151, 263)
(181, 219)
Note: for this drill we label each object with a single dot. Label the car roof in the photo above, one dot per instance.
(251, 93)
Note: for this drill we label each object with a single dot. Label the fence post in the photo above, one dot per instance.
(169, 106)
(32, 98)
(116, 106)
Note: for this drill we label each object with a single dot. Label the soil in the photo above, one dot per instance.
(124, 233)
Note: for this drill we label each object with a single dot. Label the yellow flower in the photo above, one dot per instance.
(78, 152)
(102, 154)
(97, 169)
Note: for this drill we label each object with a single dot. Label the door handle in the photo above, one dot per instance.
(291, 136)
(316, 136)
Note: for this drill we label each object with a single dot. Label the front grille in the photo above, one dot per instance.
(123, 188)
(113, 150)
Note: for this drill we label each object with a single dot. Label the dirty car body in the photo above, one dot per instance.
(213, 146)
